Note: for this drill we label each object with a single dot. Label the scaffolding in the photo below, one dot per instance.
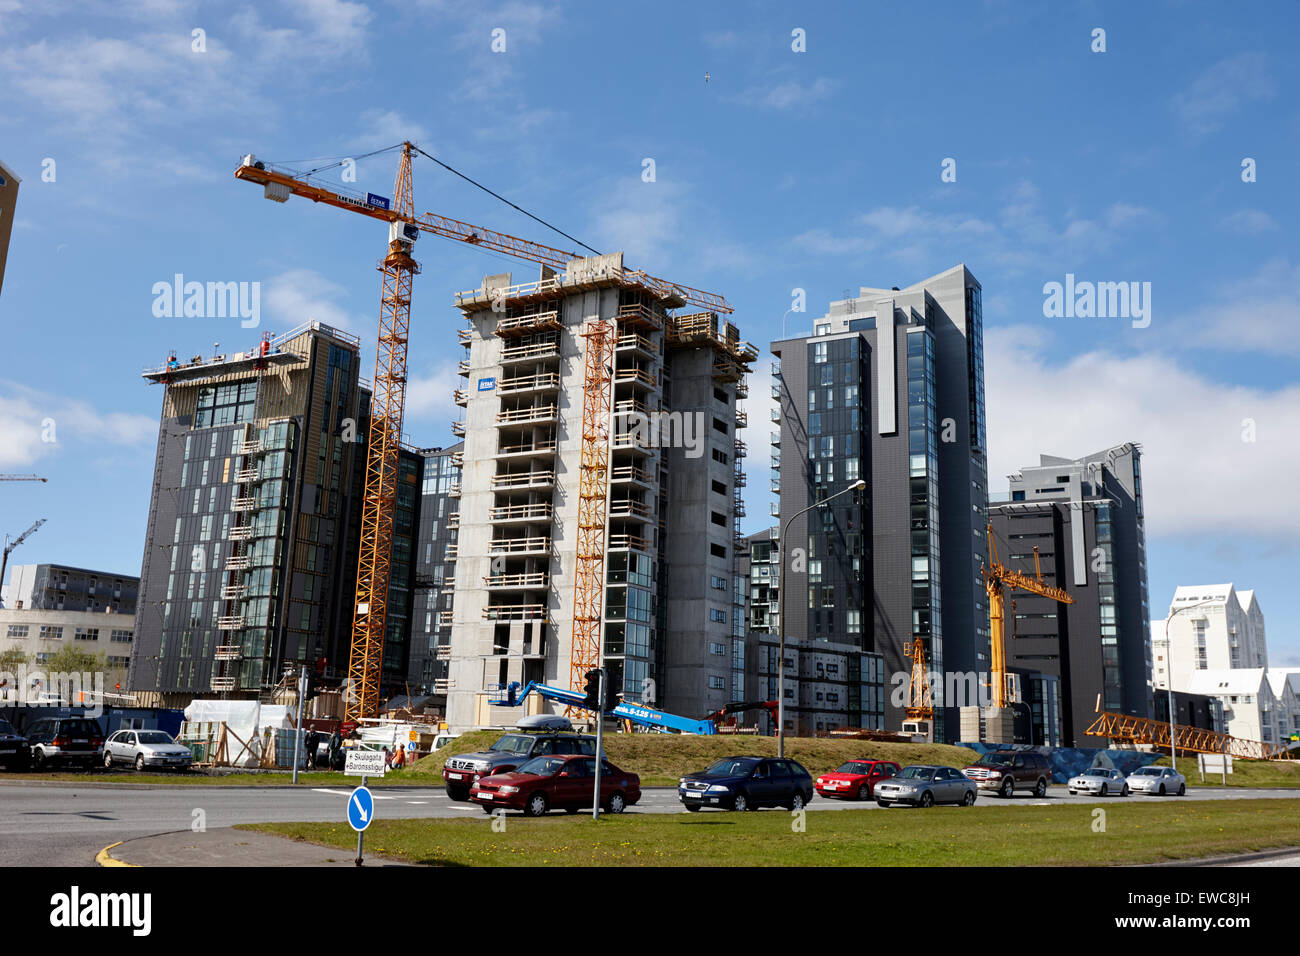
(1155, 733)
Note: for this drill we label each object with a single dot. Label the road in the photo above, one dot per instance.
(66, 825)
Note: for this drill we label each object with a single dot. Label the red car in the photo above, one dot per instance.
(559, 782)
(855, 780)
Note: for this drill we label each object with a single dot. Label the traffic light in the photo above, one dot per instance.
(592, 690)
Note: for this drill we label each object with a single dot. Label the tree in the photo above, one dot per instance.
(73, 660)
(12, 658)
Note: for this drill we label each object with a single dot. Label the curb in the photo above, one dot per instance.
(104, 858)
(1234, 858)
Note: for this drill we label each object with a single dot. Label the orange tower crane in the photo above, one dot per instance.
(388, 401)
(998, 579)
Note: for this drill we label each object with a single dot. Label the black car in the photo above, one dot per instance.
(65, 740)
(747, 783)
(14, 752)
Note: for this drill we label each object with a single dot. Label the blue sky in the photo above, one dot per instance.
(816, 170)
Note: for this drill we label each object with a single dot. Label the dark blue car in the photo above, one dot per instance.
(747, 783)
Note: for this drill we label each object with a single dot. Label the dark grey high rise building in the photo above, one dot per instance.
(889, 389)
(435, 569)
(1085, 518)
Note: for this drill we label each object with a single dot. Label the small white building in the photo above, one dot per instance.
(1251, 709)
(1210, 627)
(39, 634)
(1285, 684)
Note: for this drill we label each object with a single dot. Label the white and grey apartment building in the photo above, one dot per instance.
(61, 587)
(669, 592)
(39, 634)
(889, 389)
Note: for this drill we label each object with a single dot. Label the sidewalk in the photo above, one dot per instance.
(228, 847)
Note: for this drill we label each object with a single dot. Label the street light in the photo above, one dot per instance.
(780, 563)
(1169, 679)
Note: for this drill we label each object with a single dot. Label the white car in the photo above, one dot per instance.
(1157, 780)
(1099, 780)
(146, 748)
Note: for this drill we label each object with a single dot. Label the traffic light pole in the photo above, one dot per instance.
(600, 736)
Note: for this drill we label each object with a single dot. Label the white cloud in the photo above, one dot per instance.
(429, 400)
(294, 296)
(1199, 476)
(1258, 314)
(29, 419)
(1250, 222)
(789, 94)
(1223, 90)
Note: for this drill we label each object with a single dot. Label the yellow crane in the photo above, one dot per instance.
(998, 579)
(919, 715)
(389, 396)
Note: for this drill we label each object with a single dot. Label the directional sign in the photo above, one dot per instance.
(364, 763)
(361, 809)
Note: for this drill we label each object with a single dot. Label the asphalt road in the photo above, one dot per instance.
(66, 825)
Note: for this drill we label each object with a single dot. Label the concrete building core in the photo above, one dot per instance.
(672, 538)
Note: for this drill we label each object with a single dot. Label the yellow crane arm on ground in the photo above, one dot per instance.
(998, 579)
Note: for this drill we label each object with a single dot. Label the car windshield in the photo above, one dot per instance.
(854, 766)
(999, 760)
(154, 737)
(1147, 772)
(78, 728)
(917, 773)
(1096, 772)
(7, 728)
(543, 766)
(513, 744)
(731, 767)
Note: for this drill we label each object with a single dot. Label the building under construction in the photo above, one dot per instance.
(250, 552)
(601, 480)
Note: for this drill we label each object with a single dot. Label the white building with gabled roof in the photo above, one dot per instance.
(1210, 627)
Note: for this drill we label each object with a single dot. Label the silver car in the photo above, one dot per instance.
(1099, 780)
(1157, 780)
(146, 748)
(924, 785)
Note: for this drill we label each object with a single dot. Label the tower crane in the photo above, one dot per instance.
(22, 478)
(919, 716)
(998, 580)
(10, 545)
(389, 395)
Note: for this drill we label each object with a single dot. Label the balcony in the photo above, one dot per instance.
(458, 429)
(531, 351)
(538, 544)
(232, 592)
(515, 612)
(461, 397)
(462, 368)
(454, 490)
(629, 406)
(524, 479)
(228, 652)
(508, 514)
(453, 519)
(630, 473)
(742, 389)
(634, 439)
(240, 532)
(741, 479)
(223, 683)
(230, 622)
(466, 336)
(742, 419)
(625, 542)
(528, 324)
(243, 504)
(531, 582)
(451, 552)
(246, 475)
(636, 343)
(637, 315)
(443, 651)
(238, 562)
(533, 414)
(458, 459)
(627, 508)
(741, 451)
(544, 447)
(537, 382)
(253, 447)
(445, 619)
(634, 376)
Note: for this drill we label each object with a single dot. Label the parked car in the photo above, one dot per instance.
(1099, 780)
(855, 780)
(924, 785)
(1157, 780)
(513, 750)
(1006, 771)
(747, 783)
(146, 748)
(64, 740)
(15, 754)
(557, 783)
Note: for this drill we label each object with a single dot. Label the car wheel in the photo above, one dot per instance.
(108, 760)
(617, 803)
(38, 759)
(883, 803)
(740, 802)
(927, 799)
(1040, 790)
(536, 805)
(1008, 788)
(969, 799)
(1182, 789)
(487, 808)
(1103, 790)
(1162, 790)
(796, 802)
(693, 807)
(139, 761)
(864, 791)
(1124, 792)
(459, 794)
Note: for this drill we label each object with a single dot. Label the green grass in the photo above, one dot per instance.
(1245, 773)
(661, 759)
(943, 836)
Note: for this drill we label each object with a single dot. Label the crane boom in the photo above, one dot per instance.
(10, 545)
(22, 478)
(636, 713)
(279, 184)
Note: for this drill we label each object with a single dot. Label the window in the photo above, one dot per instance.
(718, 519)
(819, 351)
(51, 633)
(719, 426)
(717, 616)
(18, 630)
(717, 550)
(719, 487)
(717, 649)
(720, 456)
(716, 682)
(87, 634)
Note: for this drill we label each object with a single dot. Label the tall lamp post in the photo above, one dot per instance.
(1169, 680)
(780, 563)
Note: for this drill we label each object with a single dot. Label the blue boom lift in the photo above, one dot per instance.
(637, 714)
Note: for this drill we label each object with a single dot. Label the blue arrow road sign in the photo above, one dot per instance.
(361, 809)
